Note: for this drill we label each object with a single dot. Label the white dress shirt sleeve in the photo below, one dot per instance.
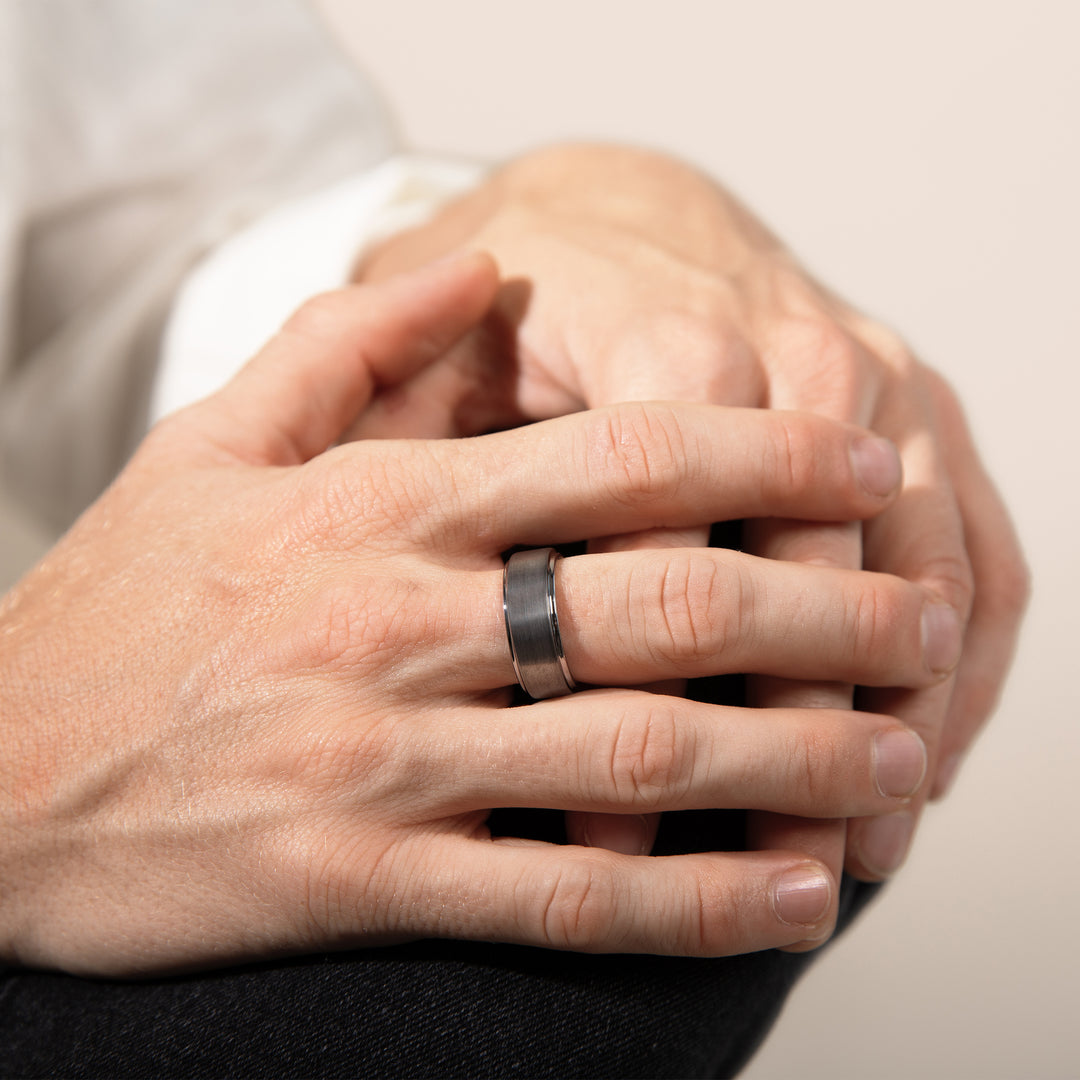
(237, 297)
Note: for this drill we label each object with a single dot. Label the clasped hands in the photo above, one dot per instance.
(256, 700)
(633, 277)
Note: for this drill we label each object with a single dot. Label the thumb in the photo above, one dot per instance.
(310, 381)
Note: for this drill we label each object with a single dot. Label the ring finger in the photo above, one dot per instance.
(629, 618)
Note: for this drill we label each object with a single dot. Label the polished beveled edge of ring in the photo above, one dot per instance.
(532, 624)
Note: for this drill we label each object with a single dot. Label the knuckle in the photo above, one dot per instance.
(700, 930)
(717, 916)
(738, 621)
(171, 440)
(698, 337)
(337, 497)
(806, 770)
(791, 465)
(342, 631)
(834, 376)
(579, 907)
(876, 618)
(885, 343)
(689, 334)
(334, 758)
(349, 880)
(830, 346)
(949, 574)
(1007, 590)
(820, 343)
(360, 493)
(319, 315)
(717, 361)
(945, 399)
(648, 757)
(331, 638)
(678, 594)
(816, 763)
(824, 544)
(165, 436)
(639, 451)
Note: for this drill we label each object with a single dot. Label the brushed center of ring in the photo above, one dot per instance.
(532, 624)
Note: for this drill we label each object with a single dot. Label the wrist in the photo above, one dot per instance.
(587, 189)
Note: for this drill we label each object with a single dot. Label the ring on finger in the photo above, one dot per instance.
(532, 624)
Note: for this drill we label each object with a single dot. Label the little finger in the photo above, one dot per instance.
(301, 391)
(591, 900)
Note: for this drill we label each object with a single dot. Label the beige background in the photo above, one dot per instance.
(924, 158)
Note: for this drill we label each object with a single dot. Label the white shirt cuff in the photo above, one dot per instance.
(234, 300)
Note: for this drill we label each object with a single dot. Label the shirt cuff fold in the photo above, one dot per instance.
(234, 300)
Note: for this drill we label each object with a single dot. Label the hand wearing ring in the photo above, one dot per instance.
(342, 672)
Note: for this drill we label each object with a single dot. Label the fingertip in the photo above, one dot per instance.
(482, 263)
(625, 834)
(482, 269)
(802, 895)
(811, 943)
(448, 294)
(475, 270)
(881, 845)
(946, 776)
(899, 761)
(876, 464)
(942, 637)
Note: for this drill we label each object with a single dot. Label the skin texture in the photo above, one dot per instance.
(255, 702)
(630, 276)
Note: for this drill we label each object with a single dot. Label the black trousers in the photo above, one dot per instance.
(431, 1009)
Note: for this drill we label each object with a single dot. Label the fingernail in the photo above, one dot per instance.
(941, 637)
(877, 464)
(946, 774)
(899, 763)
(802, 895)
(884, 842)
(627, 834)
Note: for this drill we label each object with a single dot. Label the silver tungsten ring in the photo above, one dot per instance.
(532, 624)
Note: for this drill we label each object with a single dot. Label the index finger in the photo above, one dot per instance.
(299, 393)
(639, 466)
